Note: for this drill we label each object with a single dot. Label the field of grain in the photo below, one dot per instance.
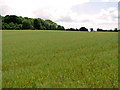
(57, 59)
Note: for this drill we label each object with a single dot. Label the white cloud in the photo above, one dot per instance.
(108, 15)
(105, 0)
(106, 19)
(111, 0)
(27, 7)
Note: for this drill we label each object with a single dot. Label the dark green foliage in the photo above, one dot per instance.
(51, 25)
(36, 24)
(71, 29)
(99, 29)
(49, 21)
(102, 30)
(13, 22)
(115, 30)
(91, 29)
(26, 25)
(83, 29)
(12, 18)
(0, 22)
(60, 27)
(18, 27)
(5, 26)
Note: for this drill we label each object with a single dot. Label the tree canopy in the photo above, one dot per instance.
(13, 22)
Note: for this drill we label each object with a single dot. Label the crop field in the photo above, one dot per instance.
(59, 59)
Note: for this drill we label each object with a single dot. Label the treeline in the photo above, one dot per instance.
(101, 30)
(92, 30)
(81, 29)
(13, 22)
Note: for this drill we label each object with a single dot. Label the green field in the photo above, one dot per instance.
(59, 59)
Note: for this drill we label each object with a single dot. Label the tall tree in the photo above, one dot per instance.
(36, 24)
(91, 29)
(115, 30)
(26, 24)
(83, 29)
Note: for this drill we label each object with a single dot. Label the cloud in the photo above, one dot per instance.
(28, 6)
(106, 19)
(86, 21)
(111, 0)
(108, 15)
(65, 19)
(104, 0)
(92, 7)
(55, 9)
(43, 13)
(4, 9)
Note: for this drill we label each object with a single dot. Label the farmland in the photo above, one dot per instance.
(59, 59)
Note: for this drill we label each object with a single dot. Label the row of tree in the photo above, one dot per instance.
(81, 29)
(13, 22)
(92, 30)
(101, 30)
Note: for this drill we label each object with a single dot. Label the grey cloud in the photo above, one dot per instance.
(115, 17)
(108, 23)
(92, 8)
(86, 21)
(4, 9)
(65, 19)
(103, 1)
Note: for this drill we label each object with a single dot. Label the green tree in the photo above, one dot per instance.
(59, 27)
(36, 24)
(11, 26)
(12, 18)
(0, 22)
(91, 29)
(26, 24)
(83, 29)
(19, 22)
(115, 30)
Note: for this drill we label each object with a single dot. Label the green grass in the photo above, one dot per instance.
(85, 59)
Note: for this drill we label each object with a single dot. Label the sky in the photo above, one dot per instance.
(68, 13)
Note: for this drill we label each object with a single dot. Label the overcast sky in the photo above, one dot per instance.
(69, 13)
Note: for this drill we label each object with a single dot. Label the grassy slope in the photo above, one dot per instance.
(85, 59)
